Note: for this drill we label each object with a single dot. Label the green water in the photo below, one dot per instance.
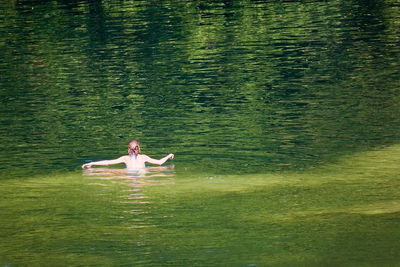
(283, 118)
(346, 214)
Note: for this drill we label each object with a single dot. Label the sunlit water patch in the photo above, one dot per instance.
(107, 216)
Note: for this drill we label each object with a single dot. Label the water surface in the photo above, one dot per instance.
(283, 118)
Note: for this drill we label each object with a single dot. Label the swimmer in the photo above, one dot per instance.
(134, 161)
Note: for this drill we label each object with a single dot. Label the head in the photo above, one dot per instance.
(133, 147)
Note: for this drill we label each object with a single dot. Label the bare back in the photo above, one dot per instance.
(135, 163)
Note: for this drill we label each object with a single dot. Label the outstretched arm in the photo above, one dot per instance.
(104, 162)
(159, 161)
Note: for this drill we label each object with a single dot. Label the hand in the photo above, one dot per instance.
(86, 166)
(171, 156)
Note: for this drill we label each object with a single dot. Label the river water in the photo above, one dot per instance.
(283, 117)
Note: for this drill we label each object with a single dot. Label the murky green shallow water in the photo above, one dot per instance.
(342, 214)
(283, 117)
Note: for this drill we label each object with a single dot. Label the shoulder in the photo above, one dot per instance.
(143, 156)
(124, 158)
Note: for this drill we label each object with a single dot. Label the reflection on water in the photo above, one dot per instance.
(229, 87)
(110, 173)
(135, 181)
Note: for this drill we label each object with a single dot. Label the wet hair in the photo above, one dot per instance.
(133, 147)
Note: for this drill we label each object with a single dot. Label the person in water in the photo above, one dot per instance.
(134, 161)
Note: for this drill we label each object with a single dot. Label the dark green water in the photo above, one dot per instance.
(283, 118)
